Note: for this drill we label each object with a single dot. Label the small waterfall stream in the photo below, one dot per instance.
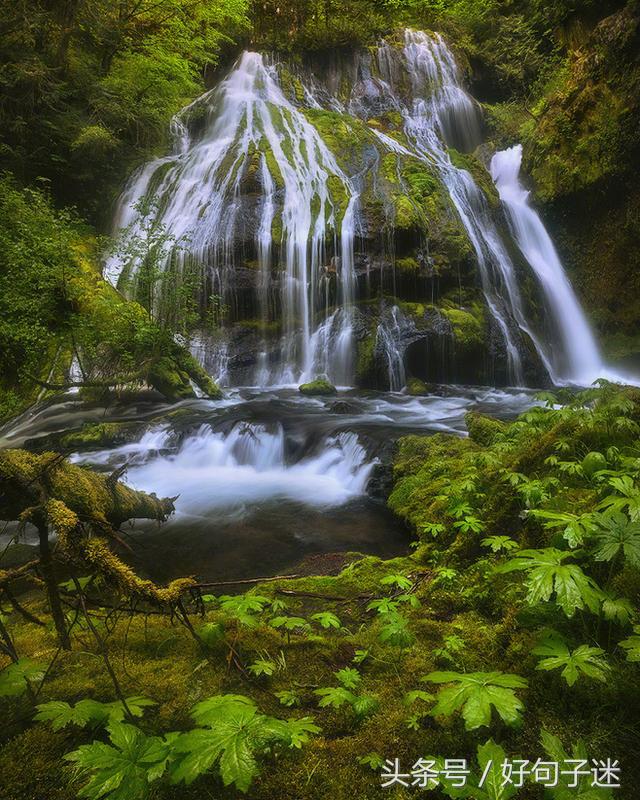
(577, 360)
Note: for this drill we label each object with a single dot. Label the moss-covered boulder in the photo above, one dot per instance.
(318, 387)
(417, 388)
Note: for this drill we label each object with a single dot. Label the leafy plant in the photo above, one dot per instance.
(475, 693)
(262, 666)
(232, 736)
(627, 499)
(395, 630)
(632, 645)
(348, 677)
(484, 783)
(123, 769)
(617, 537)
(499, 543)
(577, 527)
(584, 660)
(288, 697)
(398, 581)
(85, 712)
(548, 575)
(338, 696)
(372, 760)
(327, 620)
(566, 788)
(244, 607)
(15, 678)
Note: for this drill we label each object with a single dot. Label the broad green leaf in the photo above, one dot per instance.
(583, 660)
(124, 769)
(475, 693)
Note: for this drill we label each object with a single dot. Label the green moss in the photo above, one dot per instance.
(317, 387)
(468, 326)
(102, 434)
(483, 430)
(417, 388)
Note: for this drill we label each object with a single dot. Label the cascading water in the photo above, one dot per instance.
(389, 340)
(200, 203)
(577, 360)
(253, 175)
(235, 471)
(443, 114)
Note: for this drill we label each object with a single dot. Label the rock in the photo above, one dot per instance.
(341, 407)
(417, 388)
(318, 387)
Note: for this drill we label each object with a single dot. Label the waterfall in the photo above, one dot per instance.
(252, 188)
(201, 200)
(389, 336)
(442, 114)
(577, 360)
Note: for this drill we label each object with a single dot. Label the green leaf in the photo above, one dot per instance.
(548, 575)
(334, 697)
(14, 678)
(632, 645)
(399, 581)
(348, 677)
(327, 620)
(617, 537)
(475, 693)
(498, 543)
(583, 660)
(124, 769)
(288, 698)
(372, 760)
(262, 667)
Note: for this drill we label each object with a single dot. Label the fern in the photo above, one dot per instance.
(475, 693)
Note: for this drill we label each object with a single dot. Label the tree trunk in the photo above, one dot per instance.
(53, 593)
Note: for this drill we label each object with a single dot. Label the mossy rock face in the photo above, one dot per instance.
(318, 387)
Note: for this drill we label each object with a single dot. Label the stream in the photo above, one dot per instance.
(264, 478)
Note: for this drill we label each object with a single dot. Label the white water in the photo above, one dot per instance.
(234, 472)
(576, 357)
(389, 341)
(306, 279)
(199, 188)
